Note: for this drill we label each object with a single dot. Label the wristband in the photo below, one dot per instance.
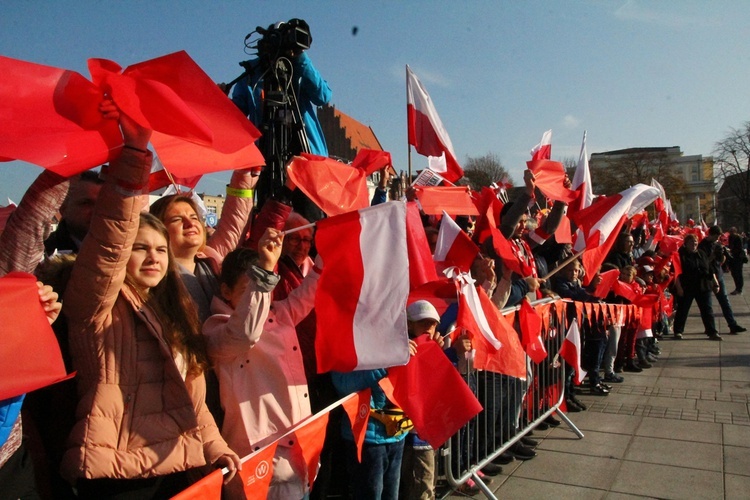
(240, 193)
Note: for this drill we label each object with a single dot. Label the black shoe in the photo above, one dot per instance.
(613, 378)
(571, 406)
(552, 421)
(715, 336)
(737, 329)
(651, 358)
(522, 452)
(492, 469)
(541, 426)
(606, 386)
(632, 367)
(503, 459)
(599, 390)
(527, 441)
(677, 336)
(643, 363)
(578, 402)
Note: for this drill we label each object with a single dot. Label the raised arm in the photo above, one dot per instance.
(237, 207)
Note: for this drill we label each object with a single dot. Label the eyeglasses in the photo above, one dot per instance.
(299, 239)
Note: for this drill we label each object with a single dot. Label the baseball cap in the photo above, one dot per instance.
(421, 309)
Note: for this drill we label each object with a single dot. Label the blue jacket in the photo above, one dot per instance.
(9, 410)
(347, 383)
(310, 89)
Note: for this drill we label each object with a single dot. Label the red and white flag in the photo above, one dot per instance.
(426, 131)
(543, 150)
(571, 351)
(363, 289)
(454, 247)
(602, 221)
(582, 183)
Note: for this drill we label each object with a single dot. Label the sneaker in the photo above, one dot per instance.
(715, 336)
(492, 469)
(737, 329)
(599, 390)
(503, 459)
(522, 452)
(613, 378)
(677, 336)
(651, 358)
(469, 488)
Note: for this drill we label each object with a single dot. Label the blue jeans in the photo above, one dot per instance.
(723, 300)
(379, 473)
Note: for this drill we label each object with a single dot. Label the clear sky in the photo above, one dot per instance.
(633, 73)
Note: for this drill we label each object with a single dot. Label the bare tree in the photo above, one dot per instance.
(484, 170)
(732, 159)
(571, 164)
(639, 166)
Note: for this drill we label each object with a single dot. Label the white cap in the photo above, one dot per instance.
(420, 310)
(647, 269)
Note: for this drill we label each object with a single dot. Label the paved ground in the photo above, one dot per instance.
(678, 430)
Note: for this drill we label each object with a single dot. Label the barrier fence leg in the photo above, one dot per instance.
(569, 423)
(485, 489)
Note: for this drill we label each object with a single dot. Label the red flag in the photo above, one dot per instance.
(160, 178)
(335, 187)
(531, 332)
(208, 488)
(420, 389)
(670, 244)
(366, 262)
(471, 314)
(564, 233)
(257, 472)
(370, 160)
(601, 222)
(30, 356)
(426, 131)
(505, 251)
(543, 150)
(605, 285)
(549, 177)
(50, 117)
(309, 443)
(357, 408)
(571, 351)
(454, 247)
(452, 199)
(489, 207)
(421, 266)
(625, 290)
(509, 359)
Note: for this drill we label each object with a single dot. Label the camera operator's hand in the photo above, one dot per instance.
(224, 88)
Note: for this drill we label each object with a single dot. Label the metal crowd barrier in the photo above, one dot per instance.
(511, 406)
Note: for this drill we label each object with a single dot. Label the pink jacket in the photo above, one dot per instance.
(257, 358)
(136, 417)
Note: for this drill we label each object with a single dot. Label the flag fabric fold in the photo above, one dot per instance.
(455, 200)
(366, 262)
(425, 129)
(454, 247)
(531, 332)
(24, 369)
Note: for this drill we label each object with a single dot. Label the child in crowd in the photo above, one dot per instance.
(253, 345)
(418, 465)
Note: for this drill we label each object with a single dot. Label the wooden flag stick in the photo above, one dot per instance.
(563, 264)
(295, 229)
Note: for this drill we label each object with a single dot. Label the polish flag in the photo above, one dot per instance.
(571, 351)
(471, 311)
(426, 131)
(160, 177)
(582, 183)
(454, 247)
(543, 150)
(602, 221)
(363, 289)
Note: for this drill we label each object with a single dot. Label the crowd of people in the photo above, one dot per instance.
(192, 352)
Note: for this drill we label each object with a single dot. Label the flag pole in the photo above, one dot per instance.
(299, 228)
(563, 264)
(408, 146)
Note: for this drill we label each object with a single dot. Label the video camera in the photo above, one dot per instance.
(280, 39)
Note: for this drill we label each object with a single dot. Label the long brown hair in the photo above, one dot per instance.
(175, 308)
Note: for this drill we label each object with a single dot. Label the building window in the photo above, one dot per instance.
(695, 173)
(211, 209)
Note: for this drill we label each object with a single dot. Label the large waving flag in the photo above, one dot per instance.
(426, 131)
(363, 289)
(602, 221)
(454, 247)
(50, 116)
